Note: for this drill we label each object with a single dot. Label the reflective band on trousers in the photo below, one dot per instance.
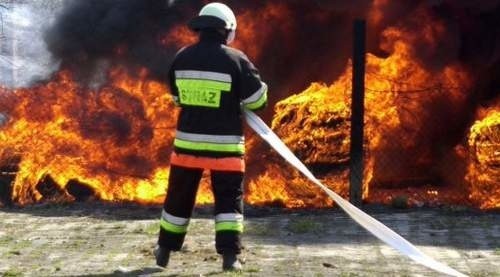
(229, 222)
(216, 143)
(173, 224)
(229, 217)
(258, 99)
(221, 164)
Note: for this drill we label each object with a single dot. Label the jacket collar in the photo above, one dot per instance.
(210, 35)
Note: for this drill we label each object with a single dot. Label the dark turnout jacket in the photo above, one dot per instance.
(212, 82)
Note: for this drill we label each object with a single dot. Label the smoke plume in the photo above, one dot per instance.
(23, 55)
(95, 33)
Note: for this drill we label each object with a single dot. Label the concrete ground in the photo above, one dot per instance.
(95, 239)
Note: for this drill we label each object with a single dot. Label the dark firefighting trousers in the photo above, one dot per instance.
(181, 194)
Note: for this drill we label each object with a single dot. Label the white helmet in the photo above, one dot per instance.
(215, 15)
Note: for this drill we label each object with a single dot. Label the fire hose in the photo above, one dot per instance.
(372, 225)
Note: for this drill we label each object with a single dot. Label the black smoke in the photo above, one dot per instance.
(315, 48)
(90, 33)
(87, 34)
(471, 38)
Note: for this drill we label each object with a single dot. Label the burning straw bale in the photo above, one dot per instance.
(484, 167)
(314, 127)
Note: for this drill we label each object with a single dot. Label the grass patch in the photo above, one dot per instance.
(305, 225)
(152, 228)
(252, 270)
(78, 228)
(15, 252)
(257, 229)
(497, 251)
(6, 239)
(99, 227)
(232, 274)
(348, 274)
(19, 245)
(480, 274)
(77, 242)
(12, 273)
(118, 226)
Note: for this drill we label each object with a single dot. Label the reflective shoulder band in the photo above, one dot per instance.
(206, 75)
(258, 99)
(203, 79)
(183, 84)
(372, 225)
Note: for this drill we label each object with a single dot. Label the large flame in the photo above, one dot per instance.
(116, 140)
(400, 96)
(484, 160)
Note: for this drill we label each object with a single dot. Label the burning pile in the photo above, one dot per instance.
(400, 97)
(484, 167)
(315, 125)
(119, 134)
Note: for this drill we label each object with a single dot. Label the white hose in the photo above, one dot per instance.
(374, 226)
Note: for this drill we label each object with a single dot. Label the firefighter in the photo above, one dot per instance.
(211, 83)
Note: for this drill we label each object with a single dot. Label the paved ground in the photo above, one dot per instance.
(94, 239)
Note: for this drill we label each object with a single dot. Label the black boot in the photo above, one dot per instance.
(162, 256)
(230, 262)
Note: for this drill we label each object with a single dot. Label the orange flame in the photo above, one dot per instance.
(484, 161)
(247, 38)
(99, 138)
(399, 89)
(117, 139)
(179, 35)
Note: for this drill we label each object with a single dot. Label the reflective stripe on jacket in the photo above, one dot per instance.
(211, 82)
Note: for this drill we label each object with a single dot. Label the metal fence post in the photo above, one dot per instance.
(357, 112)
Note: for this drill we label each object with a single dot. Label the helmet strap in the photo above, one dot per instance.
(230, 36)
